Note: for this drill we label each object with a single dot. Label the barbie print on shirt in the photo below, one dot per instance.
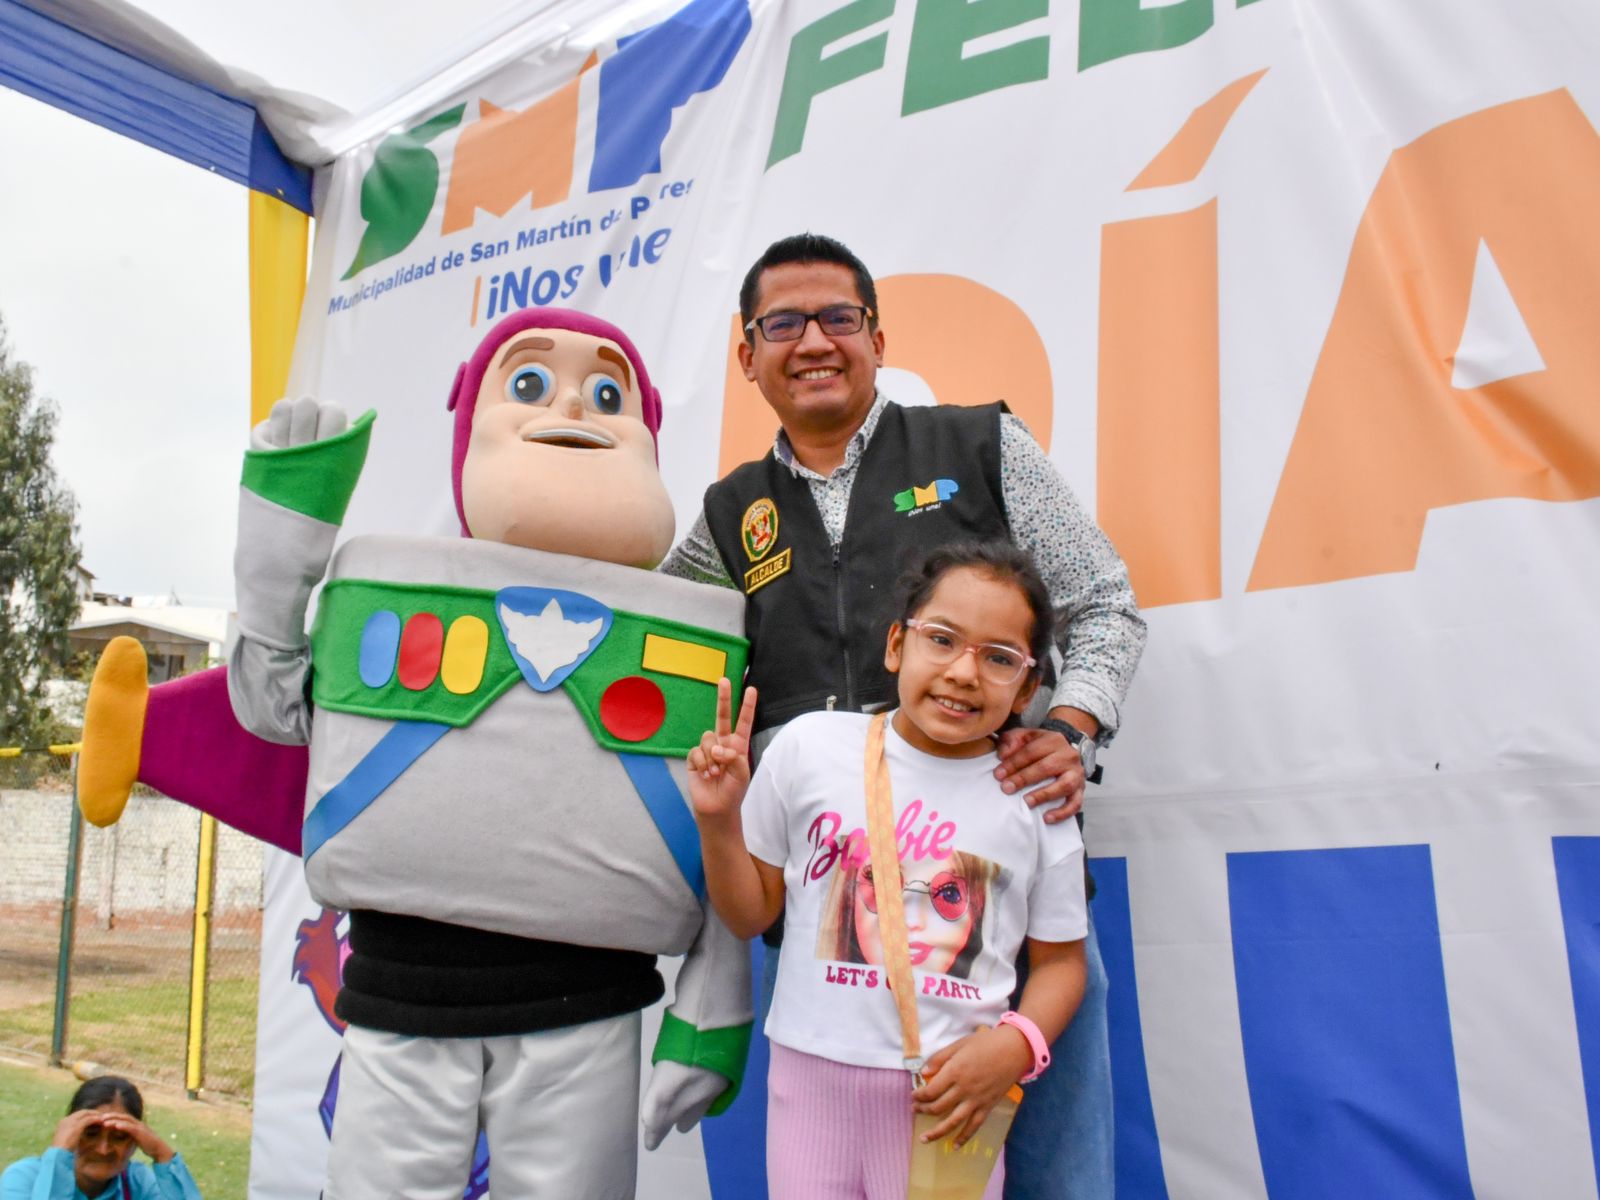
(946, 896)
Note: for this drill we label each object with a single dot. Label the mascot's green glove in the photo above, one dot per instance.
(697, 1074)
(302, 457)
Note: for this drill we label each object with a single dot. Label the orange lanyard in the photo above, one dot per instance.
(887, 883)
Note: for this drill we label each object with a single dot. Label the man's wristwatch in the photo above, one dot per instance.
(1085, 745)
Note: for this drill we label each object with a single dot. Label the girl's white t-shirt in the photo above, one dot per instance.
(981, 871)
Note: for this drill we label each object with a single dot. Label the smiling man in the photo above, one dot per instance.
(816, 534)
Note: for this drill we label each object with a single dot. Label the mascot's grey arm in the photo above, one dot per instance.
(280, 558)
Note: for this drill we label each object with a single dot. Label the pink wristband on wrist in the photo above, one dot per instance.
(1036, 1042)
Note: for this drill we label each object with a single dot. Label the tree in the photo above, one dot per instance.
(39, 554)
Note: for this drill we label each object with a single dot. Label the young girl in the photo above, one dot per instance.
(981, 873)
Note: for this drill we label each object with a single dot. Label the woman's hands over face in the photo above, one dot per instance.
(105, 1133)
(143, 1136)
(71, 1127)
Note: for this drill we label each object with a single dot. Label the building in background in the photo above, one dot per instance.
(178, 638)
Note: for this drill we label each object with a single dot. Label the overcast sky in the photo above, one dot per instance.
(123, 281)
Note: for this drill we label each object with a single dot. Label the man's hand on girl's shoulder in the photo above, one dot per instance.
(1030, 756)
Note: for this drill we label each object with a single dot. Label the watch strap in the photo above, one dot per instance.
(1077, 737)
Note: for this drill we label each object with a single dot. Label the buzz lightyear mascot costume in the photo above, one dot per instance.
(496, 728)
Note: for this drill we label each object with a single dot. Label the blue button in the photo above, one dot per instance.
(380, 648)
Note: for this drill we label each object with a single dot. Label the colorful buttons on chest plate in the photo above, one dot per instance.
(422, 652)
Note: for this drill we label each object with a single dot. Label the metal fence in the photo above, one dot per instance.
(136, 947)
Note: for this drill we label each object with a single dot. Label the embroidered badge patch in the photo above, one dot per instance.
(764, 573)
(937, 492)
(759, 529)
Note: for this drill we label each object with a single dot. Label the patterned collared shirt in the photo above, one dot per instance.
(1104, 634)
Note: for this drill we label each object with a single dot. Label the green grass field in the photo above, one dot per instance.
(142, 1027)
(214, 1139)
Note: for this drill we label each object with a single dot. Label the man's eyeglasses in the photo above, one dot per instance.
(837, 320)
(941, 645)
(946, 891)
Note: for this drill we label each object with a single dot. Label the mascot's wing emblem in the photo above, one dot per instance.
(549, 641)
(550, 632)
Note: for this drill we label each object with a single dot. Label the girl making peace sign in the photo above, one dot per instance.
(981, 874)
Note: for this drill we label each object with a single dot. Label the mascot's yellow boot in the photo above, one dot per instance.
(113, 731)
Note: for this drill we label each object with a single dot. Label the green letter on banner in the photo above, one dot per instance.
(936, 71)
(1109, 29)
(808, 74)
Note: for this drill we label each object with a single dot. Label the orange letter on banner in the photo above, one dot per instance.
(506, 155)
(1384, 436)
(1160, 493)
(1182, 158)
(970, 345)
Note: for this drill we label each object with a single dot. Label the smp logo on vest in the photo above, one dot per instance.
(508, 158)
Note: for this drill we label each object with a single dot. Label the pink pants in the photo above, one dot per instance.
(836, 1132)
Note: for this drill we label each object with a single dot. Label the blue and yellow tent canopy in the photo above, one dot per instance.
(59, 65)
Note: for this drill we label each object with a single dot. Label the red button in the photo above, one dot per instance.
(632, 709)
(420, 647)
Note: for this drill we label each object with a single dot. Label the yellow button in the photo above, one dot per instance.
(466, 648)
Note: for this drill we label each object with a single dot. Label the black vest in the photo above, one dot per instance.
(928, 476)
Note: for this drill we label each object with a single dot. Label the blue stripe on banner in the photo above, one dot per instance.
(367, 780)
(1578, 884)
(1347, 1044)
(1138, 1148)
(56, 64)
(668, 809)
(736, 1142)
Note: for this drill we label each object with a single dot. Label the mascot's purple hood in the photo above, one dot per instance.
(469, 378)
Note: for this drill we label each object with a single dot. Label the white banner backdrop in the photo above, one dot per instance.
(1302, 298)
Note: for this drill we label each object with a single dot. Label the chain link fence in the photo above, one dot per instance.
(102, 959)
